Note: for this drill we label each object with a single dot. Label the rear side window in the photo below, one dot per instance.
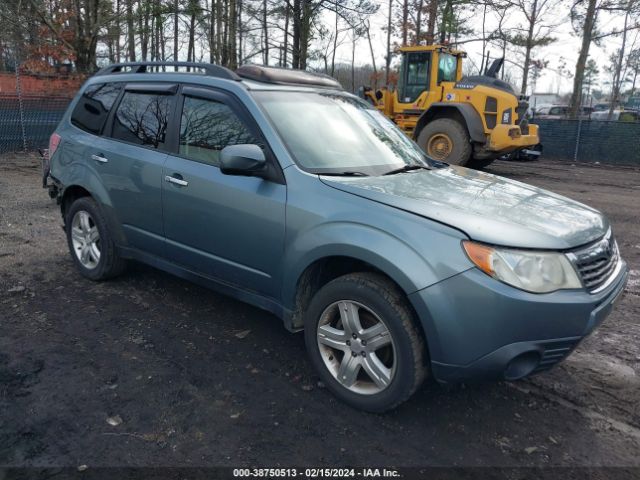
(142, 118)
(207, 127)
(93, 107)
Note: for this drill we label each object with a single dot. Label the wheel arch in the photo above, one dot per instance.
(88, 185)
(325, 269)
(463, 113)
(318, 270)
(69, 195)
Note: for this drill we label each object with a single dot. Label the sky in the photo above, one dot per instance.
(566, 47)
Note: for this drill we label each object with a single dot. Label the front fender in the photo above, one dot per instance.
(387, 253)
(471, 117)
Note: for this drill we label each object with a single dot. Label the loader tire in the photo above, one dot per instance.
(446, 140)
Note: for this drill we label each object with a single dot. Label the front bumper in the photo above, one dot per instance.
(503, 138)
(478, 328)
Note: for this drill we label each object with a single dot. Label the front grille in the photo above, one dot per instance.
(553, 353)
(597, 263)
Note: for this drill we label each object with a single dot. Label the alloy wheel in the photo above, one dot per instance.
(85, 238)
(357, 347)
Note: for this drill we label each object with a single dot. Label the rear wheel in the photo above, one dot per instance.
(446, 140)
(90, 242)
(363, 341)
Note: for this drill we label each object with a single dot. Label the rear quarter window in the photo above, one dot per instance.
(92, 110)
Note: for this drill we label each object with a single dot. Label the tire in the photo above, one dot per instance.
(87, 232)
(446, 131)
(396, 356)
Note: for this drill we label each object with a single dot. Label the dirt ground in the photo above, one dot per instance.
(149, 369)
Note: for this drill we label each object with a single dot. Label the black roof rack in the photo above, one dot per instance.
(208, 69)
(286, 76)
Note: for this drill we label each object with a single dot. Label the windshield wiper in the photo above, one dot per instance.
(407, 168)
(344, 174)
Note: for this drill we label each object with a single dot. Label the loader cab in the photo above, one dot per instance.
(424, 69)
(415, 75)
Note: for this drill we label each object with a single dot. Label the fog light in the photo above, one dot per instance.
(522, 365)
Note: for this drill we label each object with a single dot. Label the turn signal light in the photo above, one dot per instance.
(480, 255)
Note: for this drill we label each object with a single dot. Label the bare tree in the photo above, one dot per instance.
(536, 32)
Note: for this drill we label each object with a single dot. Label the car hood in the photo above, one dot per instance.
(486, 207)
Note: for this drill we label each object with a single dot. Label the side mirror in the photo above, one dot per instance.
(244, 159)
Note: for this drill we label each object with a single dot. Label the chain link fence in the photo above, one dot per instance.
(27, 121)
(606, 142)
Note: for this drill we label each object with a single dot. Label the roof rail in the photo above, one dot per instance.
(286, 76)
(208, 69)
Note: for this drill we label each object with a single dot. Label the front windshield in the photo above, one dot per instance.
(337, 133)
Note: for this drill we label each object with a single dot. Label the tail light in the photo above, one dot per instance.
(54, 141)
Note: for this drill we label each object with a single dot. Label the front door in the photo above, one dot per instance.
(228, 227)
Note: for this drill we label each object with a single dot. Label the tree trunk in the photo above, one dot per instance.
(143, 25)
(232, 19)
(219, 31)
(485, 58)
(448, 7)
(353, 63)
(432, 10)
(405, 19)
(335, 47)
(191, 47)
(305, 33)
(295, 46)
(118, 31)
(265, 31)
(578, 79)
(285, 47)
(617, 80)
(240, 33)
(176, 31)
(373, 57)
(388, 58)
(533, 18)
(419, 22)
(130, 32)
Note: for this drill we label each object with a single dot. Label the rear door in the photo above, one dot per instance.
(130, 160)
(228, 227)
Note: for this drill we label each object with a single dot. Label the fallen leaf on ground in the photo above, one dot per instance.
(243, 334)
(114, 421)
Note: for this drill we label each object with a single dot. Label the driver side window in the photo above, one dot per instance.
(447, 65)
(207, 127)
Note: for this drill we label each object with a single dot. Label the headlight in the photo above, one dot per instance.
(538, 272)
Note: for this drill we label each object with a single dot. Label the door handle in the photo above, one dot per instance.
(176, 181)
(99, 158)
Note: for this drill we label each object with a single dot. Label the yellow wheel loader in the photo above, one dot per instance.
(460, 120)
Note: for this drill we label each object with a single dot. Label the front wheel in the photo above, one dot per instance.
(363, 341)
(446, 140)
